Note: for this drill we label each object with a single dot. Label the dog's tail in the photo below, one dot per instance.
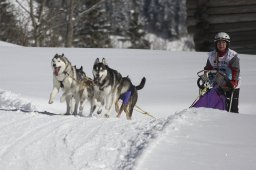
(142, 83)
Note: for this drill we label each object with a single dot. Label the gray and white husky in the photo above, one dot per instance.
(109, 85)
(72, 81)
(84, 93)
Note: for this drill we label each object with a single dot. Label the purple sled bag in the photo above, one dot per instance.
(214, 98)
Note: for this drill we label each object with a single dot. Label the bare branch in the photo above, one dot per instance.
(41, 10)
(90, 9)
(22, 7)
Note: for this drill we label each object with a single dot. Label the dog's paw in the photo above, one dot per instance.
(99, 111)
(63, 99)
(50, 101)
(90, 115)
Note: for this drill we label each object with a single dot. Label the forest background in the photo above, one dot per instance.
(143, 24)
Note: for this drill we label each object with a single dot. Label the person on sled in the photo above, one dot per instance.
(225, 60)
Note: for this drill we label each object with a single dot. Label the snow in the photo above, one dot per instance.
(184, 43)
(35, 135)
(6, 44)
(204, 139)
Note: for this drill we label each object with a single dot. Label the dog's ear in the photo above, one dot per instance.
(104, 61)
(81, 68)
(62, 55)
(96, 61)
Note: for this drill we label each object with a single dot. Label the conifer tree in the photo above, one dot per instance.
(9, 29)
(93, 28)
(136, 33)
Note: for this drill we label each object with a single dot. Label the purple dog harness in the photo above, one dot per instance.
(126, 97)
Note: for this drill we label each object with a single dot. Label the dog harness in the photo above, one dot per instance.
(68, 73)
(126, 97)
(61, 84)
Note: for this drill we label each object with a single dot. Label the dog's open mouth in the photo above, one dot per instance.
(97, 79)
(56, 71)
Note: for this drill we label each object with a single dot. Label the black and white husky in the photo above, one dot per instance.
(72, 81)
(106, 81)
(109, 85)
(128, 93)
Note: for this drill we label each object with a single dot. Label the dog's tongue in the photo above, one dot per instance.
(96, 80)
(56, 71)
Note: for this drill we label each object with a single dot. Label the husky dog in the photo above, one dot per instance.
(128, 93)
(106, 81)
(72, 81)
(85, 90)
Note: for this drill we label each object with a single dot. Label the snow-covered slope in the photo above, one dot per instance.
(5, 44)
(36, 135)
(56, 142)
(202, 139)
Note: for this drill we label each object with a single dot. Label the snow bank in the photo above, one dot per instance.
(203, 138)
(5, 44)
(12, 101)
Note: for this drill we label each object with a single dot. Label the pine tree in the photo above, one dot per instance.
(9, 30)
(93, 29)
(136, 33)
(56, 23)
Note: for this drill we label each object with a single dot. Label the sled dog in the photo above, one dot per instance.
(72, 81)
(106, 80)
(110, 86)
(84, 93)
(128, 93)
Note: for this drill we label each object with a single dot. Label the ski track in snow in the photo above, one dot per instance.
(77, 142)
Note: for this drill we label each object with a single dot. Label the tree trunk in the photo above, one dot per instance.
(36, 21)
(70, 25)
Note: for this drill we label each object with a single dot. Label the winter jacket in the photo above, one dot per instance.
(228, 64)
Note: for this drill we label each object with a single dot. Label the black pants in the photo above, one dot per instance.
(235, 101)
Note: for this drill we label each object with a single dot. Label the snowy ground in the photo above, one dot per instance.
(36, 135)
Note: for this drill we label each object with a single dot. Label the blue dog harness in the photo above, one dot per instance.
(126, 97)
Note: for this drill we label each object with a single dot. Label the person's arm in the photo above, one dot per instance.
(234, 65)
(208, 66)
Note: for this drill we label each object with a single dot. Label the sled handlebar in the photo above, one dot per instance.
(206, 80)
(206, 72)
(203, 80)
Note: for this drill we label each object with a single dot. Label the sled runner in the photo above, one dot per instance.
(213, 86)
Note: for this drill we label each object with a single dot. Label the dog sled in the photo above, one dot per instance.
(213, 86)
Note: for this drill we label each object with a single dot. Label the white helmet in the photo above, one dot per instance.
(222, 36)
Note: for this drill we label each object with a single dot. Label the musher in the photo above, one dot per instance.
(225, 60)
